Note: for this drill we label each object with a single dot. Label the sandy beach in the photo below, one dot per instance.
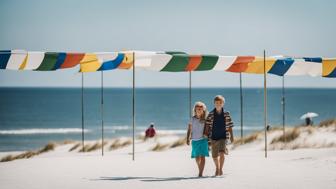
(244, 167)
(111, 94)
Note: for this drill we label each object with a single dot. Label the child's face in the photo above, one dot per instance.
(199, 110)
(219, 104)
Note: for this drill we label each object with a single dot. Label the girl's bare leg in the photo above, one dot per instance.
(198, 162)
(202, 164)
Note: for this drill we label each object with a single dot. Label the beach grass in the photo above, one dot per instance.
(179, 142)
(160, 147)
(290, 135)
(92, 147)
(328, 123)
(74, 147)
(294, 138)
(165, 146)
(120, 144)
(29, 154)
(248, 139)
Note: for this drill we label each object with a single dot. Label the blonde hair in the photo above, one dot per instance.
(219, 98)
(205, 112)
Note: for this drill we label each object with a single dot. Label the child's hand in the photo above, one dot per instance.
(188, 142)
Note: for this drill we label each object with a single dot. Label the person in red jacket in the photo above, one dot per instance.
(150, 132)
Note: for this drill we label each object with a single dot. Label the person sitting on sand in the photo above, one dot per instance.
(199, 144)
(309, 121)
(218, 128)
(150, 132)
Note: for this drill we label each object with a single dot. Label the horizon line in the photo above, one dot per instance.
(168, 87)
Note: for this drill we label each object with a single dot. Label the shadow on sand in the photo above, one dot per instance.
(153, 179)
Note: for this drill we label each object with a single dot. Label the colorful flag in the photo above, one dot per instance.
(329, 67)
(4, 57)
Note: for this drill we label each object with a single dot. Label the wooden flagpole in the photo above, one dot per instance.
(133, 109)
(241, 108)
(102, 111)
(283, 108)
(190, 104)
(265, 103)
(82, 103)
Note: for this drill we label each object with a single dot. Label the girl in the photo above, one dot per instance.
(195, 134)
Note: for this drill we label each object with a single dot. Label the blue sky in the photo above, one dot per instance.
(231, 27)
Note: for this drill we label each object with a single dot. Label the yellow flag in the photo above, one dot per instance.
(89, 63)
(257, 66)
(328, 66)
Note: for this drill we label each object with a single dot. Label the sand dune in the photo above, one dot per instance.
(308, 160)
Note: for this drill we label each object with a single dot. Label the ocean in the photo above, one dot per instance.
(31, 117)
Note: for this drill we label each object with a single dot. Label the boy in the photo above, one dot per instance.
(218, 128)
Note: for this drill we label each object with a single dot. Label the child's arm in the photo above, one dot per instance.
(229, 125)
(206, 127)
(189, 134)
(231, 135)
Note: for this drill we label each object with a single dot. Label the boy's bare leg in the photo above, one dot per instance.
(221, 162)
(216, 161)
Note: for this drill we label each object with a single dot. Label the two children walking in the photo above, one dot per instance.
(214, 128)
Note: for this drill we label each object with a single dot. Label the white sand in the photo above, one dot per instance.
(245, 167)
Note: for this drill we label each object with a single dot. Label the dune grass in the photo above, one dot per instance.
(289, 136)
(29, 154)
(179, 142)
(47, 148)
(160, 147)
(141, 137)
(92, 147)
(74, 147)
(119, 144)
(328, 123)
(67, 142)
(248, 139)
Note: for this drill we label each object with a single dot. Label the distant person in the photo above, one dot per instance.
(268, 127)
(199, 144)
(309, 121)
(218, 128)
(150, 132)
